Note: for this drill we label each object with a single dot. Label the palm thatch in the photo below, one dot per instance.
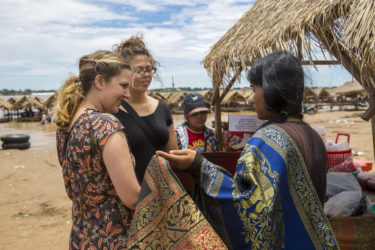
(322, 94)
(26, 102)
(6, 105)
(12, 100)
(50, 102)
(157, 95)
(207, 94)
(233, 97)
(343, 28)
(247, 94)
(176, 99)
(350, 89)
(309, 94)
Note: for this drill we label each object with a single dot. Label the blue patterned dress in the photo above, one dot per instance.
(270, 202)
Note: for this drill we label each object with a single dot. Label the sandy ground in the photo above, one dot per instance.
(35, 210)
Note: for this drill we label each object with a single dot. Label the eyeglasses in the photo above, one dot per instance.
(141, 70)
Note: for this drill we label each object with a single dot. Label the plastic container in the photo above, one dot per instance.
(335, 158)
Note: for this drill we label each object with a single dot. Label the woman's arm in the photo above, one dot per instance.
(172, 142)
(117, 158)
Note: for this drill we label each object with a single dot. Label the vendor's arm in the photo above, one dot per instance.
(232, 204)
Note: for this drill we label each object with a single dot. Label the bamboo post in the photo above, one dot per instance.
(217, 108)
(230, 84)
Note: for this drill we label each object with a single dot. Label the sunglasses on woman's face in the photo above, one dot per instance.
(144, 70)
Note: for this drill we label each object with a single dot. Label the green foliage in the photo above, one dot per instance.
(23, 92)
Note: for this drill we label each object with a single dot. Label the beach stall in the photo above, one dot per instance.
(28, 103)
(319, 32)
(340, 30)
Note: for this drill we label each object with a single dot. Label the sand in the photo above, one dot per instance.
(35, 210)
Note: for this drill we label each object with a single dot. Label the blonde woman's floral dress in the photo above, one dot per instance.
(100, 219)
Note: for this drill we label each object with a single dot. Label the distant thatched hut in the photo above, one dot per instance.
(51, 101)
(343, 30)
(28, 102)
(309, 96)
(207, 94)
(322, 94)
(233, 98)
(176, 99)
(5, 105)
(12, 100)
(350, 89)
(157, 95)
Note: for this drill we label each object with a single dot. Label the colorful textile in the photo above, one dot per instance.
(166, 217)
(183, 138)
(270, 202)
(354, 232)
(99, 218)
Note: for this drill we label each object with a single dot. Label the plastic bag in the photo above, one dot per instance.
(338, 182)
(321, 130)
(333, 147)
(346, 203)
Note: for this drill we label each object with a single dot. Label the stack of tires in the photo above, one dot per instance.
(15, 141)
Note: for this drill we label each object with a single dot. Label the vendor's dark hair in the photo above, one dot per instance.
(281, 76)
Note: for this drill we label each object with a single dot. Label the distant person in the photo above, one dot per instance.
(44, 119)
(193, 133)
(275, 198)
(97, 165)
(148, 121)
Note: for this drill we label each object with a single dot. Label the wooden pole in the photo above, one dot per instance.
(230, 84)
(217, 108)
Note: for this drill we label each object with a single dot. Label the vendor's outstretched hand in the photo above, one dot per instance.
(179, 159)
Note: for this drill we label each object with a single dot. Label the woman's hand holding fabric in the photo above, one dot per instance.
(179, 159)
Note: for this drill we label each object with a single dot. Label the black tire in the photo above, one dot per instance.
(15, 138)
(16, 145)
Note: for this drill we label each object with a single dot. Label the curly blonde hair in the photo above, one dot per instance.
(72, 92)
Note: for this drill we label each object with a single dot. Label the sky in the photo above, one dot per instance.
(43, 40)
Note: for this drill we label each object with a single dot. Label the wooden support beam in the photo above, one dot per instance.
(217, 110)
(321, 62)
(299, 49)
(230, 84)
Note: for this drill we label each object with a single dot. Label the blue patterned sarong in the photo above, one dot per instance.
(270, 202)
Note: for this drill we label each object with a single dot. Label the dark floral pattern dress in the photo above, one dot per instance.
(100, 219)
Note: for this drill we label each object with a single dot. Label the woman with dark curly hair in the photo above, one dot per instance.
(149, 121)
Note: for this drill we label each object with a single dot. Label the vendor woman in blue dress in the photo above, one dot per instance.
(274, 199)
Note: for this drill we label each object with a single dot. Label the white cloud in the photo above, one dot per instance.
(45, 38)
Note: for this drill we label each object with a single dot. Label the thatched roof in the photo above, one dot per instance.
(176, 98)
(309, 93)
(26, 102)
(157, 95)
(321, 92)
(50, 102)
(4, 104)
(344, 27)
(233, 96)
(12, 100)
(350, 89)
(207, 94)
